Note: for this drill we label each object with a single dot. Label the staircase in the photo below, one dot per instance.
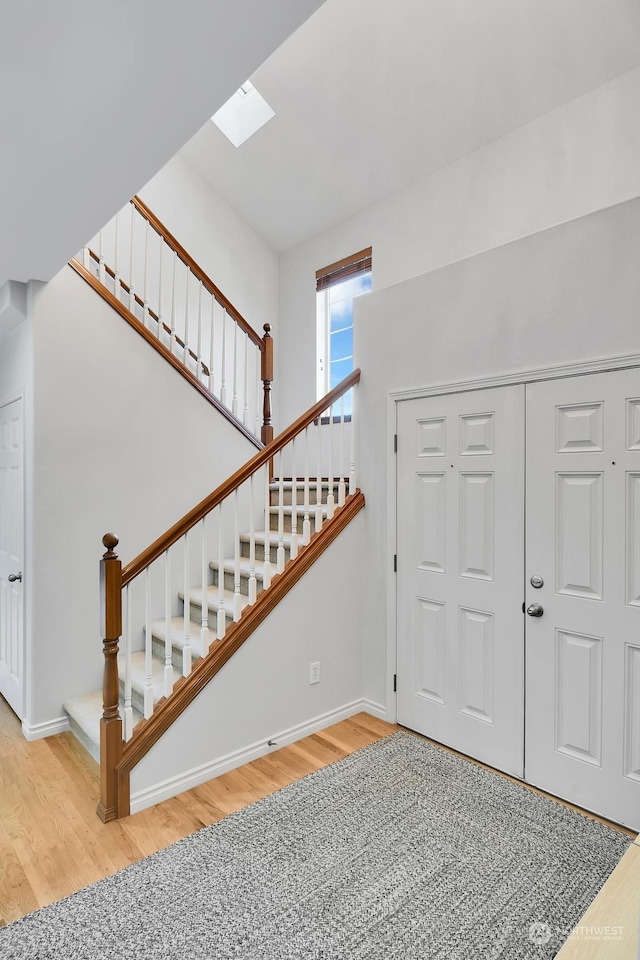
(175, 614)
(283, 522)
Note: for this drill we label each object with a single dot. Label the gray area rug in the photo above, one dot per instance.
(398, 851)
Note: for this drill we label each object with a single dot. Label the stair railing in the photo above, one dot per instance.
(183, 597)
(142, 266)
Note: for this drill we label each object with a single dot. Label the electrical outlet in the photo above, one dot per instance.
(314, 672)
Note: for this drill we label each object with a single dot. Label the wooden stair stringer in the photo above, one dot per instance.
(186, 689)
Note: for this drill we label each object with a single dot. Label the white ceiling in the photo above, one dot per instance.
(371, 95)
(96, 97)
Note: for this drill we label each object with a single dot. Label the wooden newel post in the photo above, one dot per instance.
(111, 723)
(266, 434)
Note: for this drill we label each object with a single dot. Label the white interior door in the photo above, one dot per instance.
(583, 540)
(11, 555)
(460, 482)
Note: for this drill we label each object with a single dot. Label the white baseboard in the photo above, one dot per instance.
(149, 796)
(375, 709)
(36, 731)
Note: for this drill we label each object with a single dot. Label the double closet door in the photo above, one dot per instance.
(518, 585)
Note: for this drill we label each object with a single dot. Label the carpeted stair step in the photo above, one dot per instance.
(289, 512)
(177, 639)
(195, 606)
(84, 713)
(288, 488)
(229, 566)
(260, 537)
(138, 679)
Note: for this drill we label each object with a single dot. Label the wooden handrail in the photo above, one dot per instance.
(205, 506)
(197, 271)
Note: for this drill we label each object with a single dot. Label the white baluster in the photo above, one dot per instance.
(86, 258)
(222, 619)
(294, 500)
(132, 296)
(186, 650)
(306, 523)
(245, 408)
(116, 259)
(253, 585)
(237, 608)
(234, 396)
(172, 341)
(145, 285)
(204, 599)
(258, 383)
(128, 711)
(148, 649)
(199, 349)
(280, 550)
(266, 576)
(101, 257)
(211, 332)
(331, 502)
(160, 290)
(352, 471)
(341, 483)
(223, 368)
(319, 479)
(185, 354)
(168, 666)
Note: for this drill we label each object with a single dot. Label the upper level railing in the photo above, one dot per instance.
(140, 264)
(189, 600)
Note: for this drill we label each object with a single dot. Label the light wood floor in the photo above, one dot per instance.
(52, 843)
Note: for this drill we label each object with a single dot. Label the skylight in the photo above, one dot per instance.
(243, 114)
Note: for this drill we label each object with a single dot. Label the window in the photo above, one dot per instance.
(337, 287)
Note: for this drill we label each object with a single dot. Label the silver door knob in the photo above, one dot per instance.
(535, 610)
(15, 576)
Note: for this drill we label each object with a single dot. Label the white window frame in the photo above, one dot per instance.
(323, 329)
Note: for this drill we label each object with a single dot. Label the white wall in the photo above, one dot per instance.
(16, 379)
(570, 293)
(121, 443)
(574, 300)
(579, 158)
(264, 691)
(239, 262)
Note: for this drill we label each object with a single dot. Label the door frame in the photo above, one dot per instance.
(394, 397)
(5, 400)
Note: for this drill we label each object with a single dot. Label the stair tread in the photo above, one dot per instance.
(176, 632)
(300, 509)
(85, 712)
(229, 566)
(300, 484)
(260, 537)
(138, 674)
(195, 597)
